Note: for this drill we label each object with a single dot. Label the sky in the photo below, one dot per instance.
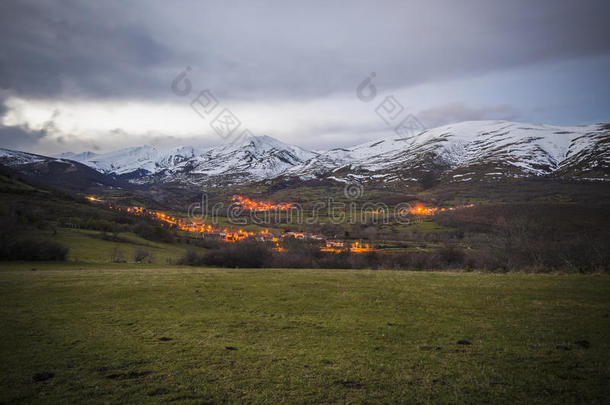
(98, 76)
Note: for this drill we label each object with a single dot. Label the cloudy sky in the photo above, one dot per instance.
(98, 76)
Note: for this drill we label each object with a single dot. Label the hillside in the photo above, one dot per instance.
(60, 173)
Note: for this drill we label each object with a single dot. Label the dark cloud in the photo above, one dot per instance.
(277, 48)
(18, 138)
(76, 49)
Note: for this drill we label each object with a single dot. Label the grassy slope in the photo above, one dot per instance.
(86, 246)
(301, 336)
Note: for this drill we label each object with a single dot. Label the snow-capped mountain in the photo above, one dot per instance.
(140, 159)
(16, 158)
(457, 152)
(505, 148)
(58, 172)
(255, 158)
(77, 156)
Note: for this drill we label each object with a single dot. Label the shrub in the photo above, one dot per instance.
(153, 232)
(32, 249)
(246, 254)
(451, 256)
(293, 260)
(206, 243)
(142, 256)
(191, 258)
(243, 254)
(117, 256)
(336, 261)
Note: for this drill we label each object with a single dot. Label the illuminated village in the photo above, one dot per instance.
(230, 235)
(421, 210)
(251, 205)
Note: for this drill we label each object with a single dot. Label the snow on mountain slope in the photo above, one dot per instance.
(121, 161)
(483, 148)
(255, 158)
(58, 172)
(16, 158)
(528, 148)
(77, 156)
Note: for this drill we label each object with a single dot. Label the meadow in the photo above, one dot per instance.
(108, 333)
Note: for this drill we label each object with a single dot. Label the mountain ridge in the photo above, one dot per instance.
(502, 148)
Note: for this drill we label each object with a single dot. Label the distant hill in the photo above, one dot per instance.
(61, 173)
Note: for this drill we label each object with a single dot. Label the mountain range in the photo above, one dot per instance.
(465, 151)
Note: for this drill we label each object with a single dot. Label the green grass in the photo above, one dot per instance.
(85, 245)
(300, 336)
(422, 225)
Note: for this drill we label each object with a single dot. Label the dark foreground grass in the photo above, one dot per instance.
(301, 336)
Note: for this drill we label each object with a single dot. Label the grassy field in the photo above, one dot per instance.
(86, 244)
(137, 334)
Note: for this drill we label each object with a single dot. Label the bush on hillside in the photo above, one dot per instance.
(33, 249)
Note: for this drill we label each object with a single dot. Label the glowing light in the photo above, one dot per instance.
(357, 247)
(421, 210)
(237, 235)
(252, 205)
(425, 211)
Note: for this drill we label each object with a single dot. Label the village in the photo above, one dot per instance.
(229, 235)
(232, 235)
